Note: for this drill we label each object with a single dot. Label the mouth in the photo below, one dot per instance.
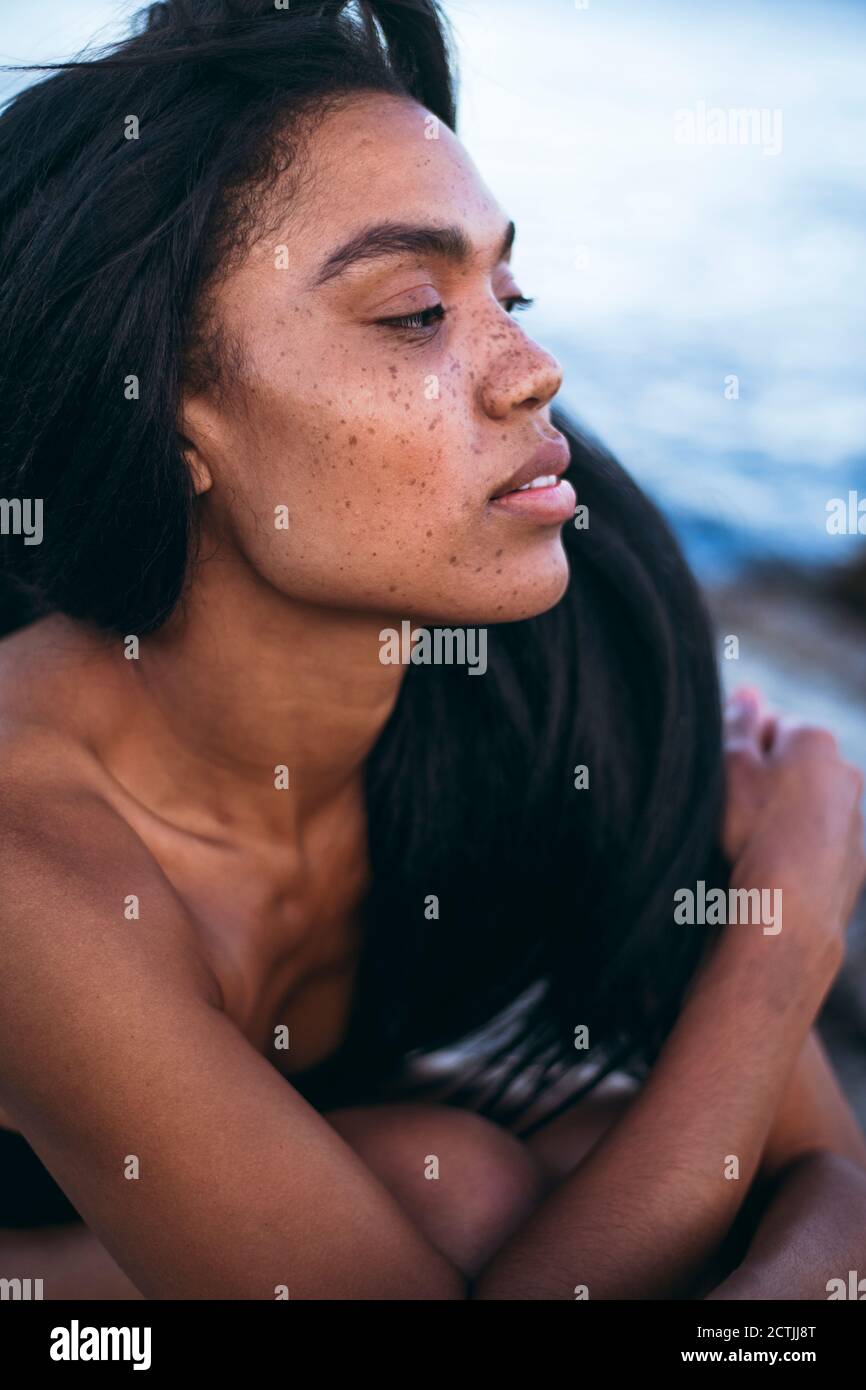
(536, 491)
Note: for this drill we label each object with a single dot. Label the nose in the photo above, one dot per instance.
(522, 374)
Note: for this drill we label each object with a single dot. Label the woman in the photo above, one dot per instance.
(262, 375)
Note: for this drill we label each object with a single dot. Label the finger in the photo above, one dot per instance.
(769, 732)
(796, 738)
(743, 716)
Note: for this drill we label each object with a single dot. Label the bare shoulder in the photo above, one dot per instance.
(58, 678)
(76, 880)
(198, 1168)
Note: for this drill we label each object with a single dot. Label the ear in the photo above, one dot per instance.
(195, 432)
(202, 480)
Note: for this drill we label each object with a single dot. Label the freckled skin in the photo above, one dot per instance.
(272, 662)
(338, 425)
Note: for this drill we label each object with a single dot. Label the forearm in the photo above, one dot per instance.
(812, 1231)
(70, 1260)
(646, 1210)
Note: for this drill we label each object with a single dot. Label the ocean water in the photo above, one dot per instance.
(706, 300)
(662, 268)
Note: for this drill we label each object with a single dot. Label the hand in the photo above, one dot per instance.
(792, 821)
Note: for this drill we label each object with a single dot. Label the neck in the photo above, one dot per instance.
(242, 683)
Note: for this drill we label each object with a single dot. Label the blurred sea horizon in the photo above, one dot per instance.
(663, 269)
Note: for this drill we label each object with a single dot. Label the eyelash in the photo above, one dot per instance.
(409, 322)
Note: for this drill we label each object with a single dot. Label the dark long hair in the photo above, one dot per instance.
(107, 248)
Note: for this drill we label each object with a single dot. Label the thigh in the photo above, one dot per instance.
(467, 1183)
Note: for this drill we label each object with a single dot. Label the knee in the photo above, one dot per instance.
(467, 1183)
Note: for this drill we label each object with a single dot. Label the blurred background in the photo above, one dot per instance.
(689, 188)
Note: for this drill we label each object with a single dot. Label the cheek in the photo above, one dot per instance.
(372, 490)
(367, 430)
(343, 499)
(380, 458)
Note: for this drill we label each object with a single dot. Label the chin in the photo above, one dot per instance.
(525, 589)
(534, 585)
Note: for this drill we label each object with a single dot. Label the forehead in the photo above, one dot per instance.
(372, 159)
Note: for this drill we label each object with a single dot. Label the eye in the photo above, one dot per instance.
(420, 319)
(517, 301)
(425, 318)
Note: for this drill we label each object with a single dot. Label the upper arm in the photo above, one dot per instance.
(813, 1114)
(194, 1162)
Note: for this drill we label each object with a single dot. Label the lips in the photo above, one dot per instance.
(549, 461)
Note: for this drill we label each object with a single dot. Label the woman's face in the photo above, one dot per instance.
(383, 447)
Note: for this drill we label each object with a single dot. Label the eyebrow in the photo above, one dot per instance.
(399, 238)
